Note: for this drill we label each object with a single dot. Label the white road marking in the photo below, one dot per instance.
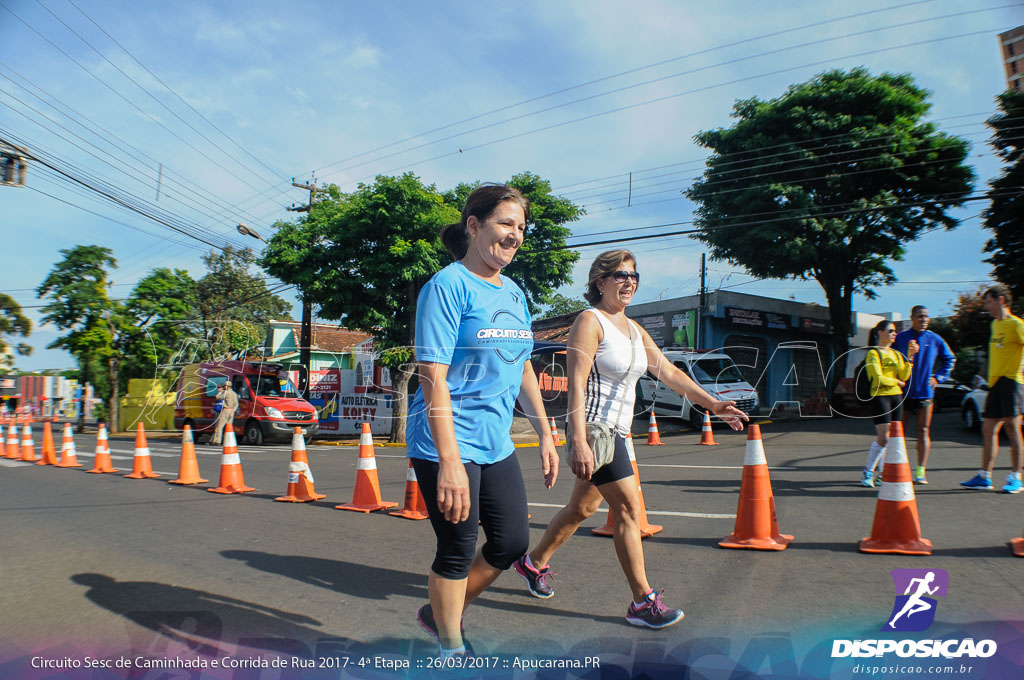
(665, 513)
(709, 467)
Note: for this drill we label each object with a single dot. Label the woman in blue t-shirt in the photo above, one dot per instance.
(474, 341)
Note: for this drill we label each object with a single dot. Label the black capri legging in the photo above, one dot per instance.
(497, 501)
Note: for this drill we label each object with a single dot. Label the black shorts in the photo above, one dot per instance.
(887, 409)
(619, 468)
(1004, 399)
(497, 498)
(915, 405)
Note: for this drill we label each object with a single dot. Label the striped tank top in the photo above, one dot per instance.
(611, 385)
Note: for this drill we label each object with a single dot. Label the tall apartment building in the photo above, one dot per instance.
(1012, 45)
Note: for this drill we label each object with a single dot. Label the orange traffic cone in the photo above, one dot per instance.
(366, 494)
(68, 454)
(102, 462)
(48, 454)
(231, 478)
(142, 466)
(646, 528)
(13, 450)
(653, 437)
(415, 507)
(1017, 545)
(554, 435)
(707, 437)
(757, 526)
(300, 477)
(28, 447)
(897, 528)
(188, 468)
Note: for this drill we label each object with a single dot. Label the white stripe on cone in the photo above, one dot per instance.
(366, 464)
(366, 439)
(410, 475)
(629, 449)
(144, 451)
(896, 491)
(229, 438)
(230, 459)
(298, 442)
(754, 454)
(896, 450)
(300, 467)
(186, 438)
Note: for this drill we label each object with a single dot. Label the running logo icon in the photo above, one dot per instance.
(915, 606)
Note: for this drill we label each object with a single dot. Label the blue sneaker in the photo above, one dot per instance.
(1013, 485)
(867, 478)
(977, 482)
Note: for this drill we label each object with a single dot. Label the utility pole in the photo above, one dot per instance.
(703, 300)
(306, 332)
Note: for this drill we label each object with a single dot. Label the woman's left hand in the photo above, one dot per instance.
(549, 461)
(727, 411)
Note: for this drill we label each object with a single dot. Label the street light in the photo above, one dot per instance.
(306, 332)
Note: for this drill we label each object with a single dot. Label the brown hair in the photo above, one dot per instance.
(604, 264)
(480, 204)
(877, 330)
(1000, 289)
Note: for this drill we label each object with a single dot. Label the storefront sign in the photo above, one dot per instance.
(818, 326)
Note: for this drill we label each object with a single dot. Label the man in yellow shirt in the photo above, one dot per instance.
(1005, 399)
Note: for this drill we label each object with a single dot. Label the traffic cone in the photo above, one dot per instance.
(102, 462)
(28, 447)
(707, 437)
(48, 454)
(757, 526)
(653, 437)
(13, 450)
(68, 454)
(1017, 545)
(231, 478)
(897, 528)
(142, 466)
(300, 477)
(188, 468)
(554, 435)
(415, 507)
(646, 528)
(366, 494)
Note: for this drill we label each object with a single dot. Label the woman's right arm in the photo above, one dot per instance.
(581, 348)
(873, 365)
(452, 482)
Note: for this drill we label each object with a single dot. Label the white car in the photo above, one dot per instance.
(972, 408)
(716, 373)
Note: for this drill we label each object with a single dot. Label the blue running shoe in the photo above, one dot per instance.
(977, 482)
(1013, 485)
(867, 478)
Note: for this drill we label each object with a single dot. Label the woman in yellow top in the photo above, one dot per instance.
(888, 370)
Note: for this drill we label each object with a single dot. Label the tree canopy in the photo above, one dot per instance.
(13, 323)
(830, 181)
(1005, 214)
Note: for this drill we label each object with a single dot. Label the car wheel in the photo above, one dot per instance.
(971, 420)
(697, 418)
(253, 433)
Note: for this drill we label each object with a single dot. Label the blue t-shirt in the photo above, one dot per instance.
(930, 347)
(482, 332)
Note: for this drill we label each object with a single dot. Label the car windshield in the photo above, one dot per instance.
(716, 371)
(273, 386)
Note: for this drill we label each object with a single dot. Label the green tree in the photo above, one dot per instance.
(13, 322)
(543, 263)
(1005, 214)
(161, 308)
(363, 257)
(559, 304)
(829, 182)
(234, 304)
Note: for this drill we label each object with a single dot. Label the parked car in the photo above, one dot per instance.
(269, 406)
(715, 372)
(972, 407)
(950, 394)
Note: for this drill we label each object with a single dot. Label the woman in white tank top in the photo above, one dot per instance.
(607, 353)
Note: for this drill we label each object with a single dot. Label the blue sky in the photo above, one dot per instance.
(286, 89)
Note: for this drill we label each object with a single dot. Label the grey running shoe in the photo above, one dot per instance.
(425, 617)
(653, 613)
(536, 580)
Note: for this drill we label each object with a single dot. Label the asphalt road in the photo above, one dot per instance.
(99, 564)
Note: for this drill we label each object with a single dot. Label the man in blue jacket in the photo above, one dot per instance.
(932, 365)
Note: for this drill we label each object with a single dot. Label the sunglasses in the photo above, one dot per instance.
(621, 275)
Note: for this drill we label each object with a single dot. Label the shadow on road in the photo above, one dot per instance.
(196, 618)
